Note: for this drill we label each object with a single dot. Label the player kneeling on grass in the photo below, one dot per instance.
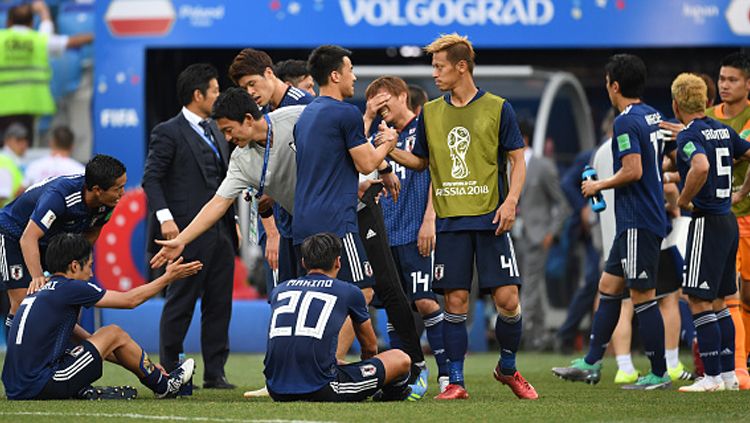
(308, 313)
(50, 356)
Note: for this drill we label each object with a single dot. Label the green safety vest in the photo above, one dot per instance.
(741, 124)
(16, 175)
(24, 74)
(464, 145)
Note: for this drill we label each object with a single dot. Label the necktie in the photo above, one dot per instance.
(209, 136)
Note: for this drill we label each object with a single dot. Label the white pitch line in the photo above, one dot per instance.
(150, 417)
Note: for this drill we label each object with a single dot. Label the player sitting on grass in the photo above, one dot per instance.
(308, 313)
(41, 362)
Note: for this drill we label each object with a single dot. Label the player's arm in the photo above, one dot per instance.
(426, 236)
(136, 296)
(366, 157)
(367, 339)
(694, 180)
(273, 238)
(630, 172)
(506, 213)
(742, 152)
(30, 249)
(211, 213)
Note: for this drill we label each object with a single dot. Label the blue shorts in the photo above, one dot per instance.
(76, 370)
(352, 383)
(355, 267)
(711, 253)
(415, 271)
(635, 257)
(455, 256)
(13, 271)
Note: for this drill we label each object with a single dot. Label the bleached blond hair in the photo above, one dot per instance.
(690, 92)
(456, 46)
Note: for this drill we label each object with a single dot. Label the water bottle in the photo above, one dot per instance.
(597, 201)
(186, 389)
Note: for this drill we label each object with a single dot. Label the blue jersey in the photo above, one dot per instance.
(325, 199)
(41, 332)
(404, 217)
(720, 144)
(307, 315)
(639, 204)
(510, 139)
(56, 205)
(293, 97)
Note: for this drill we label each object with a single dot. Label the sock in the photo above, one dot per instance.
(651, 327)
(726, 328)
(508, 331)
(8, 322)
(605, 321)
(745, 323)
(673, 358)
(394, 340)
(625, 363)
(396, 387)
(456, 343)
(709, 340)
(687, 329)
(740, 357)
(153, 378)
(433, 324)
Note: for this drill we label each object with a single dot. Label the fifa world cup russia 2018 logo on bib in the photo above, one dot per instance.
(459, 139)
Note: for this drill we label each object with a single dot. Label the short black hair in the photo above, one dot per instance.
(526, 126)
(417, 97)
(320, 251)
(62, 137)
(233, 104)
(22, 14)
(630, 73)
(103, 171)
(291, 71)
(249, 62)
(65, 248)
(194, 77)
(737, 60)
(324, 60)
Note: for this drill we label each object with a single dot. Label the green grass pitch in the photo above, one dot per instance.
(559, 401)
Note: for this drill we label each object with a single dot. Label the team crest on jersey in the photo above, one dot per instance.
(368, 268)
(16, 272)
(439, 271)
(368, 370)
(409, 142)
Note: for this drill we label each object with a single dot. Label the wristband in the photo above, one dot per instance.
(385, 171)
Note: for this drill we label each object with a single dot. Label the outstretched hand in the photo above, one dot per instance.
(170, 250)
(179, 270)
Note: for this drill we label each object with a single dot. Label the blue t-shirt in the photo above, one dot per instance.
(293, 97)
(41, 332)
(639, 204)
(510, 139)
(56, 205)
(325, 199)
(404, 217)
(303, 334)
(720, 144)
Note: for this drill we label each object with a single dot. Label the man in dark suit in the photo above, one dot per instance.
(187, 160)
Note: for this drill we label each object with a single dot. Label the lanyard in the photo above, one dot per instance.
(266, 153)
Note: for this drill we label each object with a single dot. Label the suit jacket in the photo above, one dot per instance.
(543, 206)
(175, 177)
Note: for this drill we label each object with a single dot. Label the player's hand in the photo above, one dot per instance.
(392, 184)
(669, 130)
(685, 204)
(264, 203)
(505, 216)
(365, 185)
(386, 135)
(36, 284)
(161, 369)
(272, 249)
(178, 270)
(170, 250)
(426, 238)
(169, 230)
(590, 188)
(375, 103)
(737, 197)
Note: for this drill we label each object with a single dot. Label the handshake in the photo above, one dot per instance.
(386, 135)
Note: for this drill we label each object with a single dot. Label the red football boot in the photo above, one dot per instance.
(517, 384)
(453, 392)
